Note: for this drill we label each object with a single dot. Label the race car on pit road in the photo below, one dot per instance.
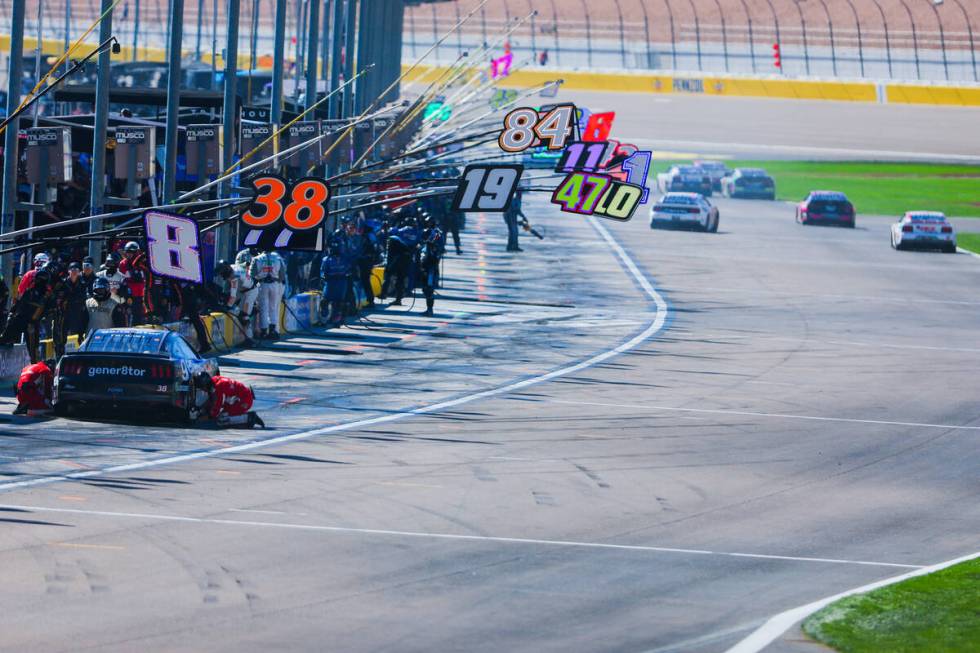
(119, 369)
(826, 207)
(749, 183)
(716, 171)
(687, 179)
(924, 230)
(684, 211)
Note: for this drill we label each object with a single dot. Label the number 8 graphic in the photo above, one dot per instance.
(172, 246)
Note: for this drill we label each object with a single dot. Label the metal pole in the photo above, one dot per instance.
(673, 39)
(214, 42)
(646, 32)
(229, 112)
(888, 47)
(350, 40)
(942, 38)
(100, 124)
(173, 99)
(830, 27)
(915, 39)
(969, 29)
(67, 32)
(534, 29)
(775, 20)
(435, 30)
(336, 48)
(136, 30)
(14, 71)
(748, 17)
(724, 33)
(253, 43)
(806, 50)
(459, 33)
(554, 22)
(697, 33)
(278, 61)
(622, 34)
(483, 27)
(197, 37)
(588, 30)
(312, 47)
(857, 22)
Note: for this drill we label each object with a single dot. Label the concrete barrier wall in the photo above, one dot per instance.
(737, 86)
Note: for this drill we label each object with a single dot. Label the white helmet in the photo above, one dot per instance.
(40, 260)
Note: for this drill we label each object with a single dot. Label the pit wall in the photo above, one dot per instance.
(773, 86)
(298, 313)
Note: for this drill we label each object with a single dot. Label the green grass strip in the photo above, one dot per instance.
(938, 612)
(877, 188)
(972, 243)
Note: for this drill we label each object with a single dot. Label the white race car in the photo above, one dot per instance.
(924, 229)
(686, 211)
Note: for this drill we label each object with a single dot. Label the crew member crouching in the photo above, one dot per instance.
(35, 389)
(229, 401)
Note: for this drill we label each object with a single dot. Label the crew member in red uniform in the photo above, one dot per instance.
(230, 401)
(134, 268)
(35, 389)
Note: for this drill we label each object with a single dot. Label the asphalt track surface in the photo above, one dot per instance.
(794, 415)
(766, 128)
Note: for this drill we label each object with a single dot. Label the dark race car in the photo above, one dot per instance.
(122, 369)
(749, 183)
(684, 179)
(715, 170)
(826, 207)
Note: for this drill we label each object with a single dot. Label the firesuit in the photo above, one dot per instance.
(35, 388)
(268, 270)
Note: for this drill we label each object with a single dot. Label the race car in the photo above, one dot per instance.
(686, 179)
(826, 207)
(122, 369)
(716, 171)
(685, 211)
(924, 229)
(749, 183)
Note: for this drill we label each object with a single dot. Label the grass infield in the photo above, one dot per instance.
(877, 188)
(970, 242)
(935, 613)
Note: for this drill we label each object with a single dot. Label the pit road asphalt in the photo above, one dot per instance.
(805, 422)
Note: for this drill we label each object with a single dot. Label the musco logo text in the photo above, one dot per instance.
(116, 371)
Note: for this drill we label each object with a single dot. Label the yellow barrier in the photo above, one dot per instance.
(734, 86)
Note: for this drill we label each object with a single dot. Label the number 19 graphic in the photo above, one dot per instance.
(487, 187)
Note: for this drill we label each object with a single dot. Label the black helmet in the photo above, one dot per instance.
(100, 288)
(223, 269)
(51, 363)
(203, 380)
(430, 222)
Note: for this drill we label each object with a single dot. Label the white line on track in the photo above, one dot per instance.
(747, 413)
(801, 149)
(779, 624)
(444, 536)
(655, 326)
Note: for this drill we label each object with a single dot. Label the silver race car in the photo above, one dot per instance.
(749, 183)
(715, 170)
(684, 178)
(684, 211)
(925, 230)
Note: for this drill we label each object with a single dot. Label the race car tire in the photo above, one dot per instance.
(950, 248)
(772, 197)
(852, 224)
(61, 409)
(713, 225)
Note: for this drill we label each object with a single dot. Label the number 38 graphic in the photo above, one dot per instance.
(284, 214)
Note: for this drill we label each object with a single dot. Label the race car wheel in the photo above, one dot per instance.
(61, 409)
(713, 225)
(950, 248)
(851, 225)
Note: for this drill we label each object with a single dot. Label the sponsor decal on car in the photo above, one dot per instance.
(116, 371)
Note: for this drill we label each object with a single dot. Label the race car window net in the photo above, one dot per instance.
(114, 342)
